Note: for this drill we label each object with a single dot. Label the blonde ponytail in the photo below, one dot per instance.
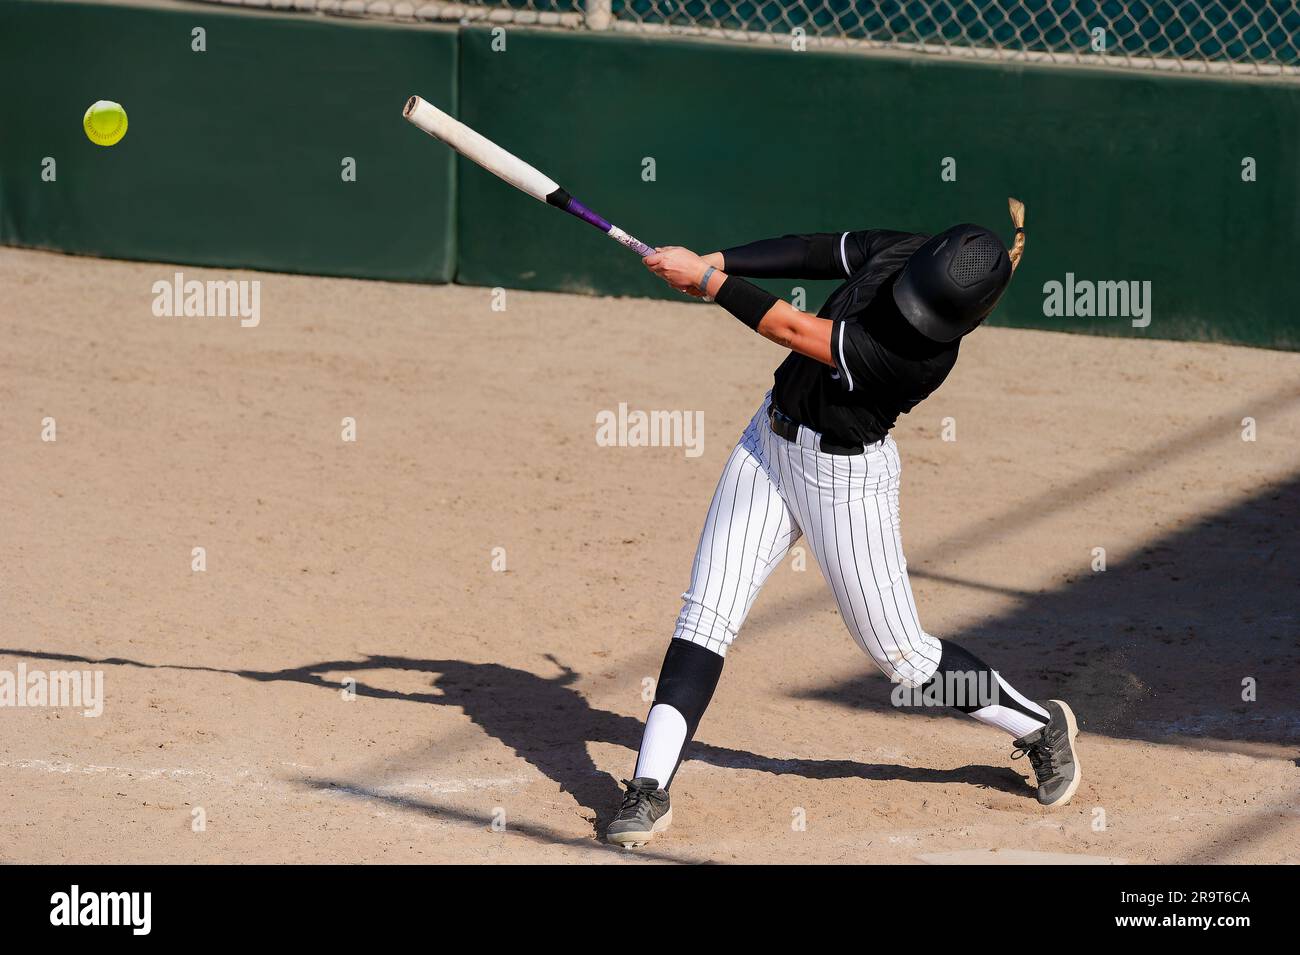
(1018, 220)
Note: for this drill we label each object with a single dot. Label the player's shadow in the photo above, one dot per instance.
(548, 723)
(1165, 645)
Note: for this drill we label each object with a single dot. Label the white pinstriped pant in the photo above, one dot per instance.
(773, 491)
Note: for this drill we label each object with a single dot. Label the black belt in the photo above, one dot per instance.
(788, 428)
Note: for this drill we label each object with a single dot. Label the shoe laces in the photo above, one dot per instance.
(1041, 758)
(1043, 751)
(633, 800)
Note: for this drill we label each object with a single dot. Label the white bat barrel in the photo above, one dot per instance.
(478, 148)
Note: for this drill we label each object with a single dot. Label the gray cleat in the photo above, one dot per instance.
(1051, 753)
(645, 811)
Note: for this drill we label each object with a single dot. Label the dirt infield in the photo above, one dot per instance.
(516, 695)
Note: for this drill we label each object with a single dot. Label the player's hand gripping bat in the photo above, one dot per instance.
(511, 168)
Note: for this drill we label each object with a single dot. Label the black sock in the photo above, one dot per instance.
(687, 679)
(967, 683)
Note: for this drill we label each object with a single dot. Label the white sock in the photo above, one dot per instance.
(1013, 721)
(1005, 718)
(661, 745)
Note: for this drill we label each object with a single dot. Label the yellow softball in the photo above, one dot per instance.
(105, 123)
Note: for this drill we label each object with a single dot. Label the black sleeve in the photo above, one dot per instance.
(812, 256)
(817, 255)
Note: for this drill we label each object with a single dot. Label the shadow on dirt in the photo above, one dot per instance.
(549, 724)
(1160, 647)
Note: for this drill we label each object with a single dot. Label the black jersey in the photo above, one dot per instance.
(883, 366)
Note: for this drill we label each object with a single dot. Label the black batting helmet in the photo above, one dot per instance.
(950, 284)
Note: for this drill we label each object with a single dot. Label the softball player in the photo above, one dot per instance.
(817, 461)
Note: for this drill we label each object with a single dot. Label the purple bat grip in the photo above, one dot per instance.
(576, 208)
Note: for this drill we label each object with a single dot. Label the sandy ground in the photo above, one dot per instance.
(517, 695)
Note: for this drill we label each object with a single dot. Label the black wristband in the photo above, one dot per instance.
(746, 301)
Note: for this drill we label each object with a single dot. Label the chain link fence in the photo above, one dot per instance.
(1255, 37)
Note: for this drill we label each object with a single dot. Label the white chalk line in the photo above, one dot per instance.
(245, 777)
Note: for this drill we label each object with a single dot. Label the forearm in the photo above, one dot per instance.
(779, 322)
(798, 331)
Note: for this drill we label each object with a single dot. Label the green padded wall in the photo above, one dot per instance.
(232, 156)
